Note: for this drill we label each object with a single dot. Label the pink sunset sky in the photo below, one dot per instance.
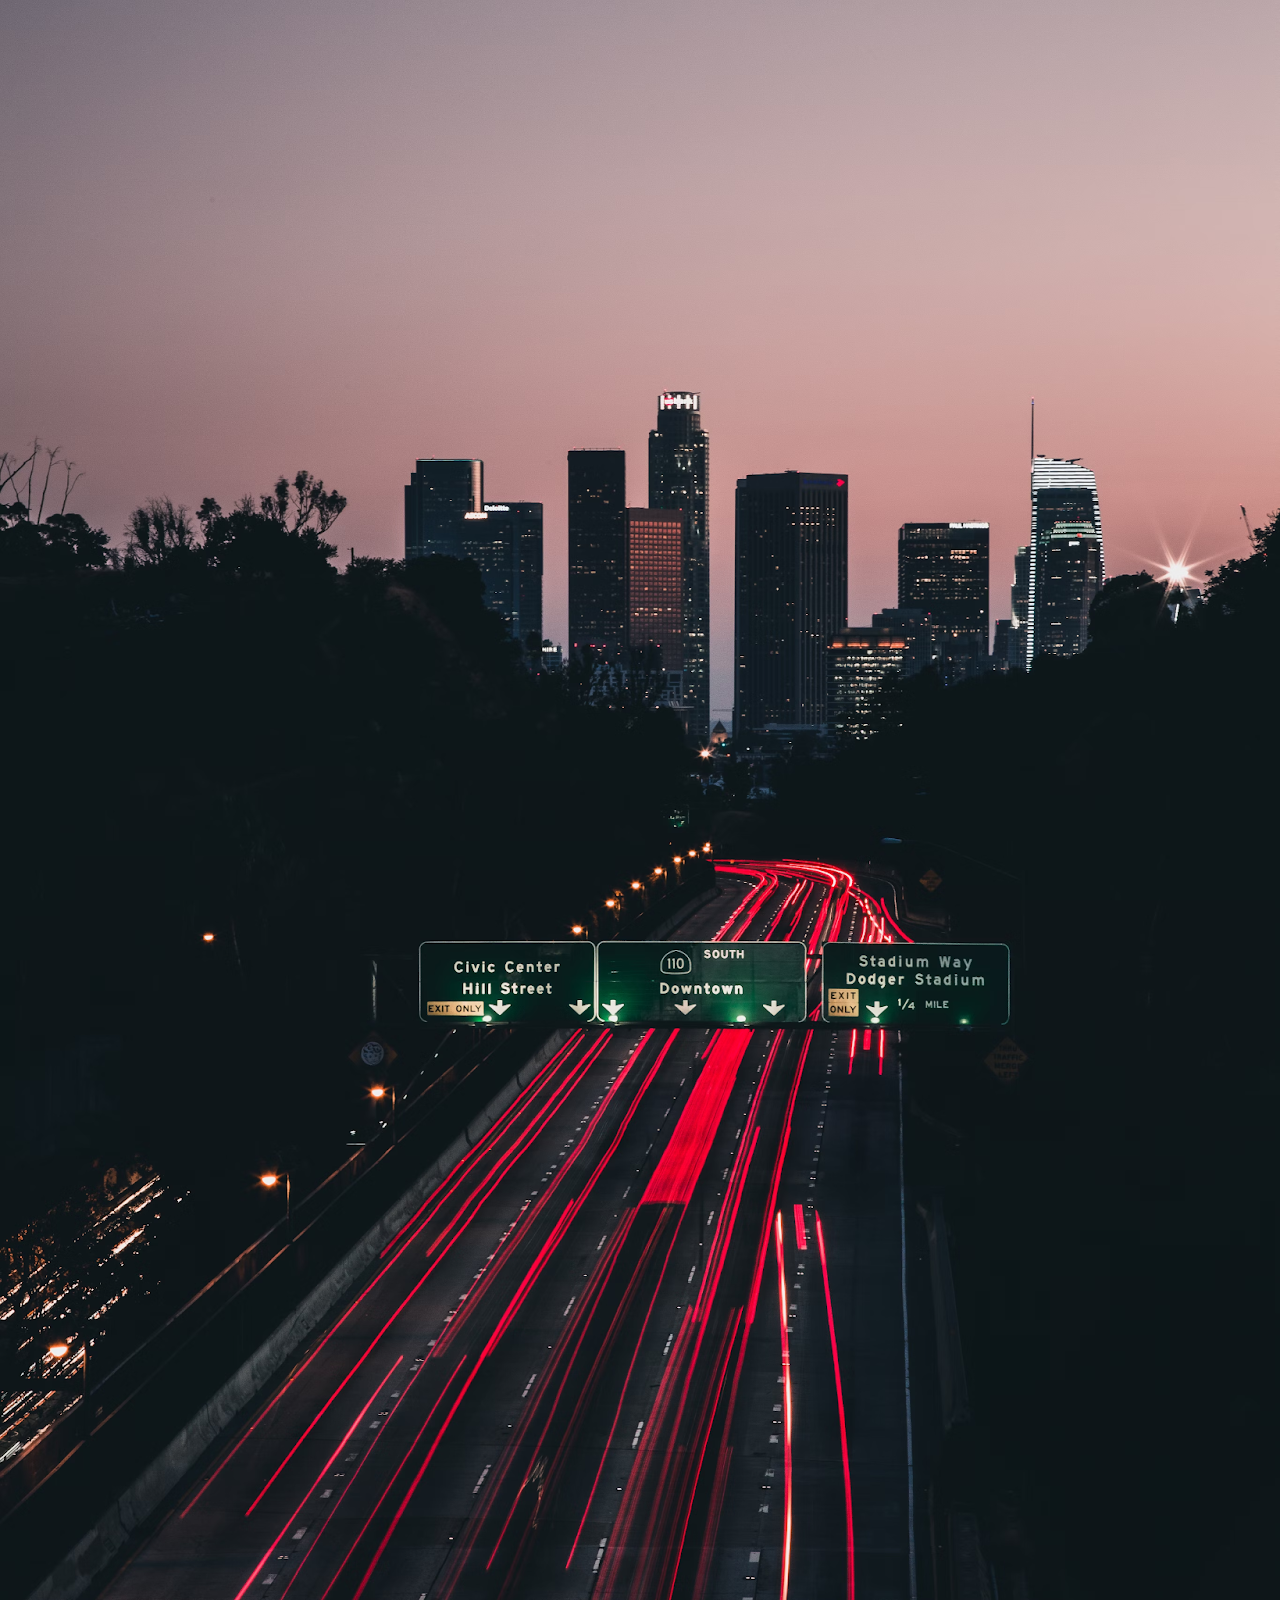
(253, 236)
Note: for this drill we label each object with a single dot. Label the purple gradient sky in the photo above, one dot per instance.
(263, 234)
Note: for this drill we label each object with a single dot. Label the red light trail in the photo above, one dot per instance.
(592, 1382)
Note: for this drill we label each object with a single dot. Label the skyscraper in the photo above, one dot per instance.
(655, 585)
(859, 662)
(528, 516)
(791, 538)
(914, 627)
(1066, 565)
(505, 542)
(679, 479)
(943, 569)
(598, 550)
(438, 495)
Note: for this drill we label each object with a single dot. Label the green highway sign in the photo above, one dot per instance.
(916, 985)
(717, 985)
(467, 981)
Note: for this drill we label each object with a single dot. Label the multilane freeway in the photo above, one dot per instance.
(647, 1339)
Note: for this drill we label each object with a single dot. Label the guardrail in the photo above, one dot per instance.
(60, 1486)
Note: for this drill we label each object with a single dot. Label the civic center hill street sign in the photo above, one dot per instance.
(916, 985)
(462, 981)
(721, 985)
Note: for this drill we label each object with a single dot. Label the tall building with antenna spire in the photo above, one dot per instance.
(679, 480)
(1065, 567)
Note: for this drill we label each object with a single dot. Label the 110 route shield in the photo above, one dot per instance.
(743, 984)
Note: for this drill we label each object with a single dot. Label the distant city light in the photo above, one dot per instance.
(207, 937)
(59, 1350)
(1177, 575)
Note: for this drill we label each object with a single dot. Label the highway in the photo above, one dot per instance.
(645, 1340)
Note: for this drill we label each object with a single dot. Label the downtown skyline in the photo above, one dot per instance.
(165, 359)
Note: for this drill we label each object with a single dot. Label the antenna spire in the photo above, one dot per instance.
(1033, 430)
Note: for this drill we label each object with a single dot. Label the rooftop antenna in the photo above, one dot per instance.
(1033, 430)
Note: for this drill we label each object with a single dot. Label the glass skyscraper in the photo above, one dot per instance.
(655, 586)
(943, 569)
(438, 495)
(505, 542)
(1066, 565)
(791, 556)
(598, 550)
(679, 480)
(859, 662)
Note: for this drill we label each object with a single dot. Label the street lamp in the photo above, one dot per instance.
(208, 938)
(577, 930)
(636, 884)
(378, 1092)
(269, 1180)
(60, 1349)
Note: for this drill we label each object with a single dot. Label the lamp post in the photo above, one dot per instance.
(379, 1093)
(60, 1349)
(271, 1180)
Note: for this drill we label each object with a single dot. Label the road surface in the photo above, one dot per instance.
(646, 1340)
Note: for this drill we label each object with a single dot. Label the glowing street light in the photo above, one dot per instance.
(577, 930)
(379, 1092)
(60, 1348)
(269, 1180)
(208, 938)
(636, 884)
(611, 904)
(705, 754)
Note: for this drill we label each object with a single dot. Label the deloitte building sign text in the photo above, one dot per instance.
(916, 985)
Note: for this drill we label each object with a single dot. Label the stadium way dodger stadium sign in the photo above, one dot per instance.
(916, 985)
(513, 981)
(756, 985)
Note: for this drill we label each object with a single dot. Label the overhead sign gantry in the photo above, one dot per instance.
(467, 981)
(685, 981)
(916, 985)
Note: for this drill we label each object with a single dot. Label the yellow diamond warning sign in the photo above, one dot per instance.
(931, 880)
(1006, 1060)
